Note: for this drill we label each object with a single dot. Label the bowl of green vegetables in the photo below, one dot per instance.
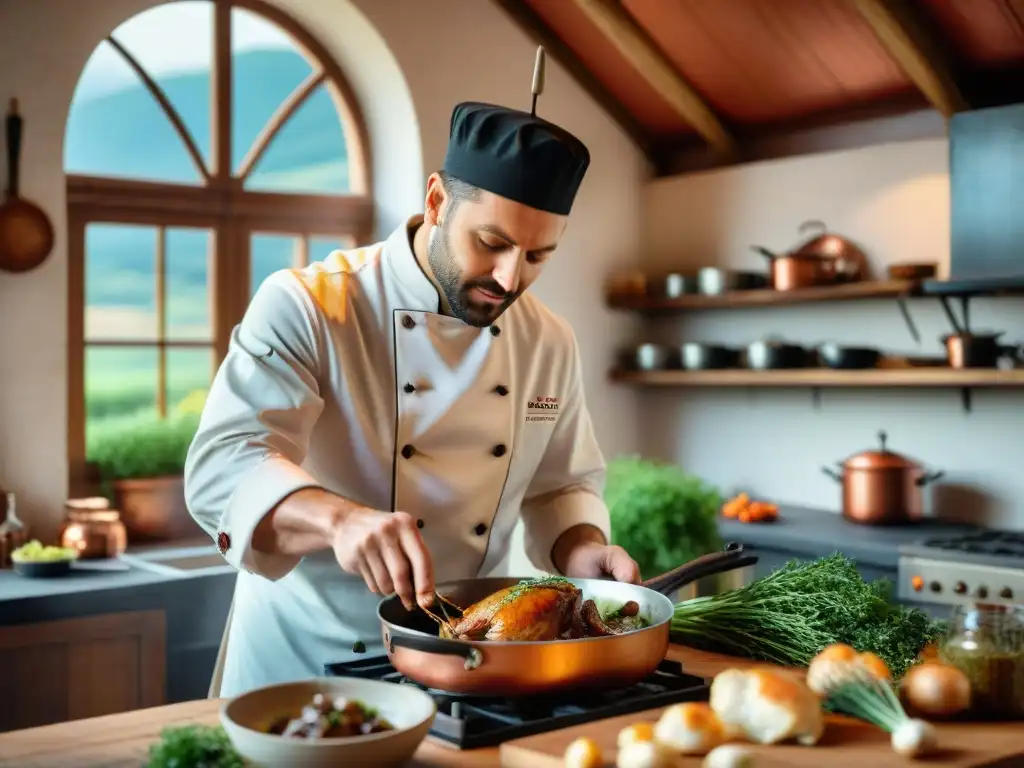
(37, 561)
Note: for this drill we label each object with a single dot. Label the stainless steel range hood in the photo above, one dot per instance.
(986, 172)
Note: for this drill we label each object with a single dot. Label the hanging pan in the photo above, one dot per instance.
(26, 233)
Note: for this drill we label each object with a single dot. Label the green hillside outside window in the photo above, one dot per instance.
(183, 199)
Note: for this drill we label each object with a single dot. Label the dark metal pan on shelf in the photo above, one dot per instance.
(770, 354)
(842, 357)
(714, 281)
(697, 356)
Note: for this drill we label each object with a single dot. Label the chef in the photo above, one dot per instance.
(385, 417)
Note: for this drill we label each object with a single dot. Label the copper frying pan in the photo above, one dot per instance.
(26, 233)
(507, 669)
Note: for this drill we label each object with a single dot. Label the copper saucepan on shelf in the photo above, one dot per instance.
(498, 668)
(979, 349)
(882, 487)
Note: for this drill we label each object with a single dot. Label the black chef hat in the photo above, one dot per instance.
(516, 155)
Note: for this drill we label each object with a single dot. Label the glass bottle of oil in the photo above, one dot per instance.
(13, 532)
(986, 642)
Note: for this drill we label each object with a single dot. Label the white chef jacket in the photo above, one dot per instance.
(345, 376)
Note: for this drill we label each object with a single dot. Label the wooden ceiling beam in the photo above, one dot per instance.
(531, 23)
(916, 53)
(633, 42)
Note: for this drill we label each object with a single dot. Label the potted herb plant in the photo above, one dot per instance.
(140, 463)
(662, 515)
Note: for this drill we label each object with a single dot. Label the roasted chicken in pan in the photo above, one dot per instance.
(536, 609)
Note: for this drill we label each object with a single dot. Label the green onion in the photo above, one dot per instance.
(871, 700)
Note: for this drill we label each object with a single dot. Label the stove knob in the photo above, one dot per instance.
(1006, 593)
(960, 588)
(982, 592)
(935, 586)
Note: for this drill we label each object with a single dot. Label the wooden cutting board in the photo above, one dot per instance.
(846, 744)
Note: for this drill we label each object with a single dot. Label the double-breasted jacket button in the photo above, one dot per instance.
(499, 450)
(480, 529)
(408, 322)
(223, 542)
(495, 330)
(501, 389)
(419, 523)
(408, 451)
(409, 389)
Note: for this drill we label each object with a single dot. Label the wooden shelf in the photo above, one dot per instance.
(878, 378)
(765, 297)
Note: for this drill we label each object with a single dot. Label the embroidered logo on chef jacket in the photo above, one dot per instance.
(542, 410)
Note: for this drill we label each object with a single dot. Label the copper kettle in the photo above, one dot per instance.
(882, 487)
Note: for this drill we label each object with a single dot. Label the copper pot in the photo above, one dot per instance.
(154, 509)
(93, 529)
(882, 487)
(791, 271)
(978, 350)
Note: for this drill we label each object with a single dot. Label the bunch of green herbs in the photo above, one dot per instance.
(144, 447)
(194, 746)
(662, 515)
(790, 615)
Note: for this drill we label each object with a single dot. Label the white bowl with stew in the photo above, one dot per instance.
(342, 734)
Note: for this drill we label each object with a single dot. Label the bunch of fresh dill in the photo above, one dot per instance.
(790, 615)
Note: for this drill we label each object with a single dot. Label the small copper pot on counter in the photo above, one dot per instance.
(882, 487)
(93, 529)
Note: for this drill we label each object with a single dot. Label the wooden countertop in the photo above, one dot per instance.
(122, 741)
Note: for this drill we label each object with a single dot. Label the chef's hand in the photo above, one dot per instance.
(387, 551)
(594, 561)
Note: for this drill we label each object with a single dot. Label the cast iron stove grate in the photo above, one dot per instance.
(1002, 543)
(474, 722)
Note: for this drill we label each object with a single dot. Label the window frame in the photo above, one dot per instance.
(221, 204)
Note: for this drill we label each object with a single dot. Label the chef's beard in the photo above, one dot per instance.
(456, 290)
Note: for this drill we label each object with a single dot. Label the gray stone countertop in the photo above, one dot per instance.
(140, 567)
(816, 533)
(81, 579)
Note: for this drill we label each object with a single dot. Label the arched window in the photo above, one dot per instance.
(209, 143)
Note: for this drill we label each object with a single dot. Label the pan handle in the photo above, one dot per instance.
(770, 255)
(731, 558)
(929, 477)
(471, 655)
(833, 474)
(13, 128)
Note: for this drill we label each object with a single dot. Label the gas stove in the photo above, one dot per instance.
(471, 722)
(984, 566)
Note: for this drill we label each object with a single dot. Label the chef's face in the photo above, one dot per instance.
(485, 250)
